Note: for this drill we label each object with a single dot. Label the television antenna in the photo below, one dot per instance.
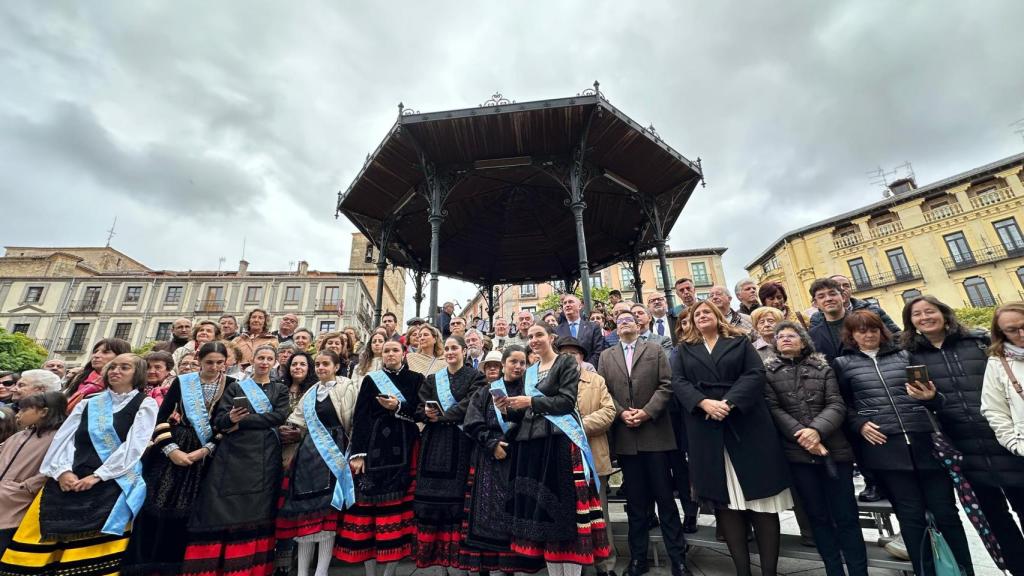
(1018, 128)
(111, 233)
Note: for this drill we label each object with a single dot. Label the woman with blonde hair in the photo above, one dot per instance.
(736, 458)
(1002, 397)
(427, 358)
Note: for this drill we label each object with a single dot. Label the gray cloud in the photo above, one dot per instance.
(233, 119)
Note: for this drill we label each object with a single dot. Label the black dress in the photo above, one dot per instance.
(486, 527)
(232, 524)
(380, 526)
(442, 471)
(159, 535)
(309, 484)
(556, 514)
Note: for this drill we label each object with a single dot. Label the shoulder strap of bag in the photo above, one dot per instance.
(1013, 379)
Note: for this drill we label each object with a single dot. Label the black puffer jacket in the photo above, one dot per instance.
(803, 393)
(958, 369)
(877, 392)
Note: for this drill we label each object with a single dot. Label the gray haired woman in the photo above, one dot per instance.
(804, 400)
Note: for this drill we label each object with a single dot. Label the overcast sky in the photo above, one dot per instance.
(199, 124)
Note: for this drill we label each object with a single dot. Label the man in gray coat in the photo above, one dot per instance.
(639, 379)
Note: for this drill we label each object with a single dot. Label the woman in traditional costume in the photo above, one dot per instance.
(379, 527)
(176, 464)
(444, 457)
(556, 511)
(486, 534)
(231, 530)
(318, 484)
(80, 522)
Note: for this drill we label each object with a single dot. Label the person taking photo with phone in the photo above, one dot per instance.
(891, 414)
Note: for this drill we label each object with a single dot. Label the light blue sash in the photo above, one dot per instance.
(499, 384)
(385, 385)
(444, 389)
(260, 403)
(568, 424)
(194, 403)
(105, 441)
(344, 488)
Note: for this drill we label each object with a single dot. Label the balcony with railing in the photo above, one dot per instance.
(87, 306)
(884, 279)
(991, 197)
(887, 229)
(943, 212)
(327, 304)
(70, 345)
(210, 305)
(983, 256)
(847, 240)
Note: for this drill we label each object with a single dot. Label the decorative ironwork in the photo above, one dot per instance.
(497, 100)
(983, 256)
(650, 130)
(403, 111)
(595, 91)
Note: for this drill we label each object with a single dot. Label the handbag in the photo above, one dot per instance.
(942, 556)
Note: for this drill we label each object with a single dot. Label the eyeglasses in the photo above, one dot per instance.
(653, 300)
(786, 337)
(7, 383)
(626, 320)
(1018, 330)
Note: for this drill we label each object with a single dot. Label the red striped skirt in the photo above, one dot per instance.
(382, 531)
(327, 519)
(591, 541)
(231, 553)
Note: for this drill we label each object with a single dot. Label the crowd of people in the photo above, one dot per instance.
(234, 449)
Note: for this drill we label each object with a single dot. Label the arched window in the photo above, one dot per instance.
(909, 295)
(978, 292)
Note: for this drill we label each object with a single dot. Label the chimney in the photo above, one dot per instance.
(303, 267)
(243, 267)
(902, 186)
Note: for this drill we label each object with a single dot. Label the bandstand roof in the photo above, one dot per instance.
(505, 167)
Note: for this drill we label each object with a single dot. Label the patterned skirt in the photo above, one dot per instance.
(29, 553)
(484, 544)
(556, 513)
(234, 552)
(381, 531)
(303, 518)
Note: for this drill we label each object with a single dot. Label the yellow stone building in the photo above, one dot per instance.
(958, 239)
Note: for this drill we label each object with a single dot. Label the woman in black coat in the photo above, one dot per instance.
(736, 459)
(232, 524)
(804, 399)
(956, 359)
(444, 457)
(892, 416)
(556, 514)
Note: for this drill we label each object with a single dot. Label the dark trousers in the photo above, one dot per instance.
(992, 501)
(647, 480)
(681, 468)
(912, 494)
(831, 507)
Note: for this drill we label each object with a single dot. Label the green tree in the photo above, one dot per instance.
(145, 348)
(976, 317)
(554, 300)
(19, 352)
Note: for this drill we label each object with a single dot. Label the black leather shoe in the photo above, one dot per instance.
(870, 494)
(681, 570)
(636, 568)
(690, 525)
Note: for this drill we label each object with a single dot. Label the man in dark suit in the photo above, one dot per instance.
(639, 379)
(663, 320)
(586, 332)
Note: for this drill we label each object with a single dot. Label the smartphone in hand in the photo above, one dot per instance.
(917, 374)
(241, 402)
(497, 394)
(432, 404)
